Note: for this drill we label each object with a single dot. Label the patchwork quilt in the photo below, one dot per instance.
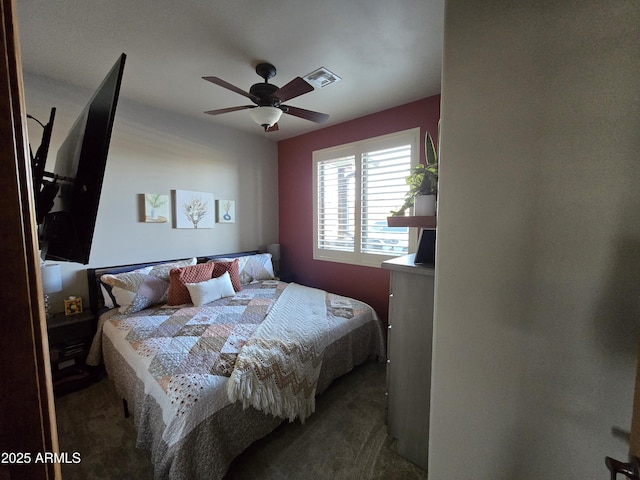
(185, 355)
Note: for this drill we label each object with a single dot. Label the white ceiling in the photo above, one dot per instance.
(388, 52)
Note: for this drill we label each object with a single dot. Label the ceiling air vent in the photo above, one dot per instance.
(321, 78)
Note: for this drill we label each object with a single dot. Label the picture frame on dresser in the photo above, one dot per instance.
(426, 252)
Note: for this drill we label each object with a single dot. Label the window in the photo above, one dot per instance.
(355, 188)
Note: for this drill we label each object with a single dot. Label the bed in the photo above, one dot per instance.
(203, 378)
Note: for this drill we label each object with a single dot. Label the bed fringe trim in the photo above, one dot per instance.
(277, 369)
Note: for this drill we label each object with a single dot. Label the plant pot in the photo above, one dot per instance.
(424, 205)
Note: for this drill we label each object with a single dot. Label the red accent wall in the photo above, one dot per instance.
(295, 185)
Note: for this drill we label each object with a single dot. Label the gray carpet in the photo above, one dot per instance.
(344, 439)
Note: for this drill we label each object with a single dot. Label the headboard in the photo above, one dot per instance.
(96, 301)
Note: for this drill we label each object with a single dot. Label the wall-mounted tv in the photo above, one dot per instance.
(67, 230)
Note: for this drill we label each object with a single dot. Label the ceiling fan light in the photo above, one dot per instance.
(268, 116)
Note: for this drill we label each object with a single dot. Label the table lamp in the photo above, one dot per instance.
(274, 250)
(51, 282)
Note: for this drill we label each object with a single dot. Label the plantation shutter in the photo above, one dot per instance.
(336, 204)
(384, 185)
(356, 186)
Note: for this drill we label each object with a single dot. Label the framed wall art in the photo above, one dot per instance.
(226, 211)
(193, 209)
(156, 208)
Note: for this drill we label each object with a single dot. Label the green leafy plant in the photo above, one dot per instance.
(155, 200)
(423, 179)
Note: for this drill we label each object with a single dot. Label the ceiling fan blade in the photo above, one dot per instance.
(227, 110)
(293, 89)
(306, 114)
(273, 128)
(233, 88)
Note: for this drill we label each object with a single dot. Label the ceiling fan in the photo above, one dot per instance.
(268, 99)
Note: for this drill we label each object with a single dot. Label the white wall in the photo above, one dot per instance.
(538, 262)
(156, 152)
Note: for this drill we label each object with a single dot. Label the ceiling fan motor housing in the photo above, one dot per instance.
(265, 91)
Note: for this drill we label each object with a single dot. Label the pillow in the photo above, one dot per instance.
(107, 295)
(179, 277)
(254, 267)
(230, 266)
(142, 288)
(214, 289)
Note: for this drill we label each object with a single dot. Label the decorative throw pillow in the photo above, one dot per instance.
(254, 267)
(214, 289)
(107, 295)
(220, 267)
(179, 277)
(142, 288)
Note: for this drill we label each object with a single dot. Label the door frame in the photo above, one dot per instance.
(27, 414)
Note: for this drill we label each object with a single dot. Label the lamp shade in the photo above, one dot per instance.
(274, 250)
(265, 116)
(51, 278)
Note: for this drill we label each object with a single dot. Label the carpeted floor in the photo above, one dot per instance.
(344, 439)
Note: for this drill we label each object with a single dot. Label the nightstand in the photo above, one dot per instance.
(70, 338)
(286, 277)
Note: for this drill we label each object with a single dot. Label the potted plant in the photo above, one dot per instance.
(423, 184)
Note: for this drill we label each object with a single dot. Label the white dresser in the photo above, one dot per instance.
(409, 357)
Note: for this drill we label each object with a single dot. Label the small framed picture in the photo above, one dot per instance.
(226, 211)
(73, 305)
(426, 252)
(156, 208)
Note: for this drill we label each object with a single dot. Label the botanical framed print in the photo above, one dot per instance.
(226, 211)
(156, 208)
(193, 209)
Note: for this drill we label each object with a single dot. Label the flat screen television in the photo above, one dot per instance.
(67, 229)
